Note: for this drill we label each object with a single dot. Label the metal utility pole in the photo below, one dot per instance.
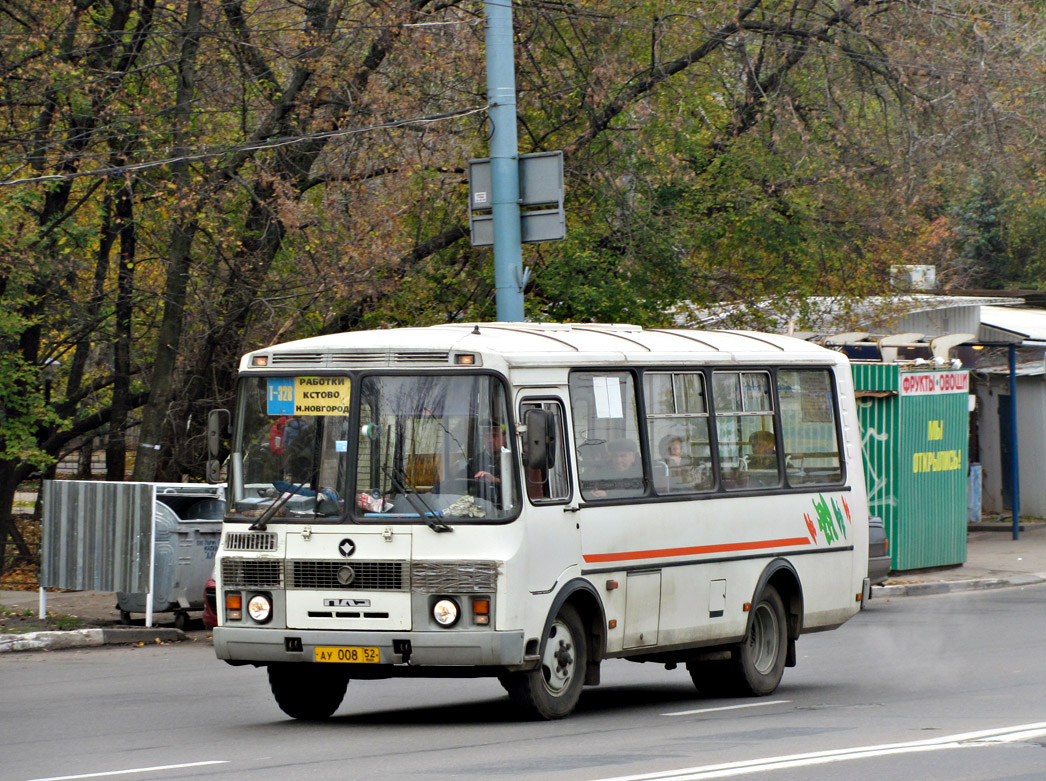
(1015, 463)
(504, 160)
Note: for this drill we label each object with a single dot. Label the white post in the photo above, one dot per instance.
(43, 603)
(152, 569)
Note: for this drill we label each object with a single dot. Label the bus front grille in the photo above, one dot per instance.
(252, 573)
(457, 577)
(353, 575)
(250, 541)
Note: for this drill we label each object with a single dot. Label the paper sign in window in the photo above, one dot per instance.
(607, 393)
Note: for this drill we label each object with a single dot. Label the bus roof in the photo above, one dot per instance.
(537, 344)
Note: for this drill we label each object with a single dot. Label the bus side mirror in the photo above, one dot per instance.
(217, 432)
(539, 439)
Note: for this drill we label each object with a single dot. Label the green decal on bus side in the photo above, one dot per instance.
(831, 519)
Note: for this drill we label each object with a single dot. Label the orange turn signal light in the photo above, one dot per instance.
(481, 611)
(234, 606)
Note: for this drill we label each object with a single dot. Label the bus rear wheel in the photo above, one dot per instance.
(756, 665)
(552, 690)
(760, 660)
(304, 691)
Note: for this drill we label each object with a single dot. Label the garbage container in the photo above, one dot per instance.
(188, 528)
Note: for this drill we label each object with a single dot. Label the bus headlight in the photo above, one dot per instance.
(446, 612)
(260, 608)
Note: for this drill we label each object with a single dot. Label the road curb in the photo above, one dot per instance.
(948, 587)
(88, 638)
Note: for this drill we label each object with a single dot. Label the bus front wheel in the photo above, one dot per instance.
(303, 691)
(552, 689)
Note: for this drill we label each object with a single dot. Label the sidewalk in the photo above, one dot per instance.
(97, 613)
(994, 560)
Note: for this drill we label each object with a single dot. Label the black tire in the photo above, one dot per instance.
(757, 664)
(507, 681)
(760, 660)
(552, 690)
(306, 691)
(715, 678)
(181, 620)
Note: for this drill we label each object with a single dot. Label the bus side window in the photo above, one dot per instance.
(551, 484)
(677, 429)
(606, 435)
(745, 428)
(808, 426)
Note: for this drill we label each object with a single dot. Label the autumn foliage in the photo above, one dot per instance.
(181, 182)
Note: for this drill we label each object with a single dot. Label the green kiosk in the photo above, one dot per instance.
(915, 437)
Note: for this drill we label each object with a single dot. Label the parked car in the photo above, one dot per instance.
(210, 604)
(878, 552)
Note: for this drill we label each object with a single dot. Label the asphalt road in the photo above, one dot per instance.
(949, 687)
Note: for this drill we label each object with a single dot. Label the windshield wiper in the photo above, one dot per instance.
(420, 506)
(275, 507)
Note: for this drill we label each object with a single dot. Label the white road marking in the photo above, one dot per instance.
(727, 707)
(153, 769)
(962, 740)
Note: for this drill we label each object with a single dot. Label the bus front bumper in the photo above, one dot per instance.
(265, 645)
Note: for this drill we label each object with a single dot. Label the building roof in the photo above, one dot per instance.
(1025, 369)
(1028, 324)
(829, 315)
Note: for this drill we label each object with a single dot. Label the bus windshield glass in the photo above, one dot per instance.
(289, 458)
(437, 446)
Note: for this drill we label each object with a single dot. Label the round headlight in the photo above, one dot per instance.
(260, 608)
(445, 612)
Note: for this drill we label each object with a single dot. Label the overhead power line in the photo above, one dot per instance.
(254, 147)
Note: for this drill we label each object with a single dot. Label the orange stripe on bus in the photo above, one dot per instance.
(596, 558)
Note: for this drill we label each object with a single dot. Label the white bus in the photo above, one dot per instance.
(525, 501)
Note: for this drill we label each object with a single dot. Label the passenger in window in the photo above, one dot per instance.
(592, 460)
(623, 475)
(672, 451)
(763, 452)
(679, 470)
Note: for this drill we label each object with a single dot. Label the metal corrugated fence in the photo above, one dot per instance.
(96, 536)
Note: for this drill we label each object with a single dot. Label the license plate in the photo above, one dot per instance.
(348, 654)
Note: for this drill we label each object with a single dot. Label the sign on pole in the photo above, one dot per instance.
(541, 199)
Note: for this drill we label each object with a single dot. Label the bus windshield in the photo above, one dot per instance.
(435, 445)
(290, 455)
(434, 448)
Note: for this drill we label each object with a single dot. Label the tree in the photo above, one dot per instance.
(184, 182)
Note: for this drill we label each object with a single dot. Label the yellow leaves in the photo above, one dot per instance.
(981, 24)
